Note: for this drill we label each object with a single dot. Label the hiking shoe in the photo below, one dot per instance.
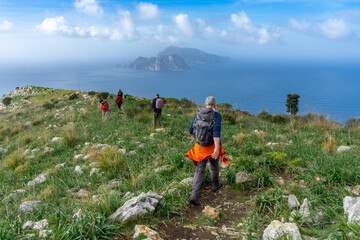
(194, 201)
(215, 188)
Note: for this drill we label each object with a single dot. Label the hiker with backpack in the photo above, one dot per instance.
(105, 109)
(119, 99)
(157, 105)
(206, 128)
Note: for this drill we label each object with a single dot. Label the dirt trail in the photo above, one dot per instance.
(232, 204)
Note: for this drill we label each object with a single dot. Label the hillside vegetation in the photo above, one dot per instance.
(95, 166)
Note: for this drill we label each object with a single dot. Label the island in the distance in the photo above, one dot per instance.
(176, 59)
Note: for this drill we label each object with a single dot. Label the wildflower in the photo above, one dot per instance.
(332, 222)
(249, 183)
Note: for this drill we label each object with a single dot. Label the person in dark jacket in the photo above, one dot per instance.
(119, 100)
(105, 109)
(211, 152)
(157, 110)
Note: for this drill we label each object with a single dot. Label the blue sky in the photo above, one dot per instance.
(91, 30)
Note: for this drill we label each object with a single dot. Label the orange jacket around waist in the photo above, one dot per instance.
(199, 153)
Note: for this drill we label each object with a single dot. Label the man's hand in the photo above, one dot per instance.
(215, 154)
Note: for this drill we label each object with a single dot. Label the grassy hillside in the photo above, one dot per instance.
(304, 155)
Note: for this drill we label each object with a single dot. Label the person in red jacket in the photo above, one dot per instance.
(105, 109)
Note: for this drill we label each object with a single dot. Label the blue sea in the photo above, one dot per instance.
(331, 89)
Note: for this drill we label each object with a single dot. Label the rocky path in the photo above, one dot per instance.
(193, 225)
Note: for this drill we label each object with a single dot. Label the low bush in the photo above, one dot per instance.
(73, 96)
(103, 95)
(7, 101)
(91, 93)
(224, 106)
(265, 115)
(280, 119)
(48, 106)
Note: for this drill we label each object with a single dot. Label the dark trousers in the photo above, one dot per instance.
(199, 175)
(157, 116)
(119, 105)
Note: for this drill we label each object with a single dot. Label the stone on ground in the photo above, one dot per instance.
(39, 179)
(15, 194)
(40, 225)
(28, 206)
(138, 206)
(78, 170)
(279, 230)
(186, 181)
(211, 213)
(148, 232)
(293, 202)
(82, 193)
(343, 149)
(57, 139)
(94, 171)
(242, 177)
(352, 209)
(163, 168)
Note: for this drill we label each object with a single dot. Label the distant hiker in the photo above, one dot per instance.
(119, 100)
(157, 105)
(105, 109)
(120, 93)
(206, 128)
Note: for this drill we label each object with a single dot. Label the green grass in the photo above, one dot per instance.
(310, 155)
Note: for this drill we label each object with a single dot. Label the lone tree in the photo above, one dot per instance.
(6, 101)
(292, 103)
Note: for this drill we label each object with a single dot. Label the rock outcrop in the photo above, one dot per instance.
(139, 206)
(279, 230)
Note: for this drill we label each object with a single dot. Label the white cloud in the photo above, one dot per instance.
(183, 24)
(90, 7)
(126, 29)
(251, 32)
(335, 29)
(147, 10)
(5, 25)
(299, 26)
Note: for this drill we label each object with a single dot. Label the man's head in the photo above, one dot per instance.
(101, 101)
(210, 102)
(157, 95)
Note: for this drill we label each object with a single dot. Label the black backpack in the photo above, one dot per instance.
(203, 126)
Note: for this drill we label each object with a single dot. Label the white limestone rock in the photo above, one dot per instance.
(78, 170)
(77, 215)
(60, 165)
(14, 195)
(279, 230)
(34, 150)
(138, 206)
(40, 225)
(28, 206)
(57, 139)
(186, 181)
(44, 233)
(343, 149)
(58, 116)
(82, 193)
(242, 177)
(148, 232)
(27, 124)
(163, 168)
(78, 156)
(304, 211)
(39, 179)
(94, 171)
(352, 209)
(293, 201)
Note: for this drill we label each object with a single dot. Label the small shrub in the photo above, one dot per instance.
(7, 101)
(73, 96)
(13, 160)
(36, 121)
(103, 95)
(241, 138)
(23, 168)
(26, 139)
(91, 93)
(280, 119)
(69, 138)
(265, 115)
(292, 103)
(47, 193)
(111, 159)
(186, 103)
(224, 106)
(352, 124)
(48, 106)
(229, 117)
(329, 145)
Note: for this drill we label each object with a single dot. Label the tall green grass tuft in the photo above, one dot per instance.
(13, 160)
